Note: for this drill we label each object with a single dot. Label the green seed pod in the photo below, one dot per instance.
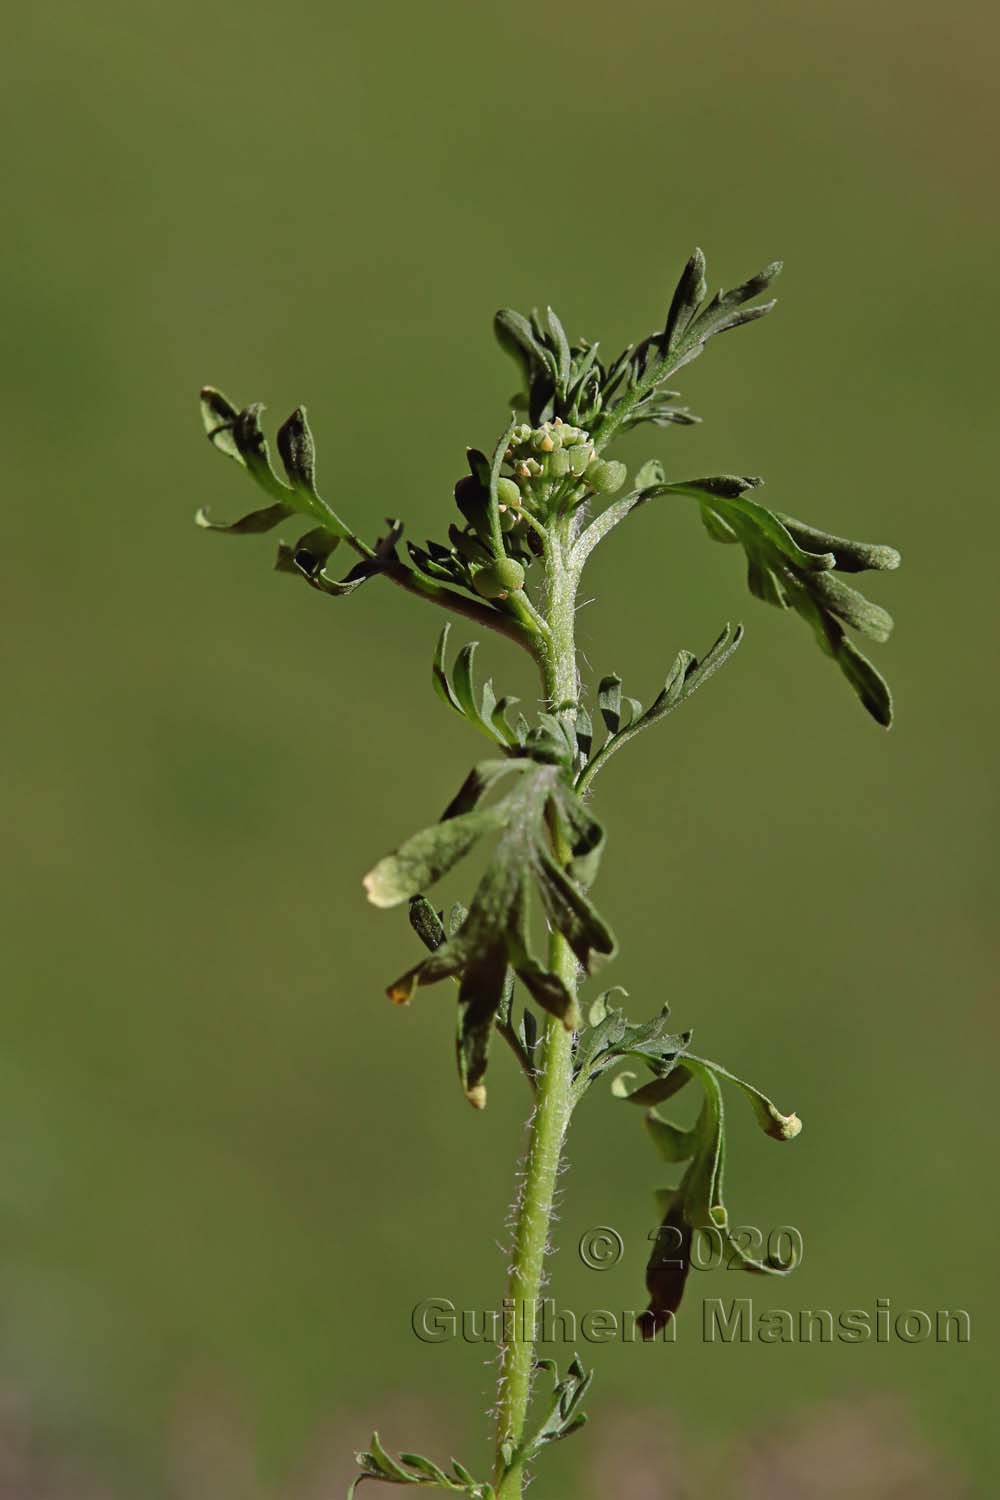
(508, 492)
(606, 476)
(499, 579)
(509, 519)
(558, 464)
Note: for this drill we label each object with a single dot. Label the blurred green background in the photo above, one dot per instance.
(228, 1168)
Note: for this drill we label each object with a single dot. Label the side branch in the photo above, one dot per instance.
(470, 609)
(602, 524)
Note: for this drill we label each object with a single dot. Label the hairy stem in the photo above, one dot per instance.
(547, 1128)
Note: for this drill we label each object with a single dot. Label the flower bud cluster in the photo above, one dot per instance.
(541, 458)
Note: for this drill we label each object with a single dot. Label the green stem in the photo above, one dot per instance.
(547, 1128)
(608, 427)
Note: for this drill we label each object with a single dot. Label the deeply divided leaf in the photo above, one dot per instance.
(790, 565)
(494, 935)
